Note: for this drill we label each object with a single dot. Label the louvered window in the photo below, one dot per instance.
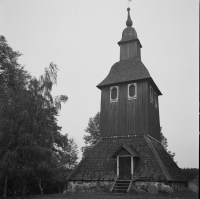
(114, 93)
(151, 94)
(156, 99)
(132, 91)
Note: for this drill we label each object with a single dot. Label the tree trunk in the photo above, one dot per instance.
(36, 115)
(5, 187)
(14, 190)
(24, 191)
(40, 185)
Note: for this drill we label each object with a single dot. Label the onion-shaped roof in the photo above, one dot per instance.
(129, 33)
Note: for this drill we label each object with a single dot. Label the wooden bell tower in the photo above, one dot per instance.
(129, 151)
(129, 96)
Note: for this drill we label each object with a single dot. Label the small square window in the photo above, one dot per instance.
(156, 99)
(114, 93)
(151, 94)
(132, 91)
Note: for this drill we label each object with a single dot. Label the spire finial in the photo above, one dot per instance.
(129, 22)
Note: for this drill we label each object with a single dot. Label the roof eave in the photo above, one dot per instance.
(119, 82)
(81, 162)
(160, 163)
(159, 92)
(129, 40)
(127, 149)
(99, 86)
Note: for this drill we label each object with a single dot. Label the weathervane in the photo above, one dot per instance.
(128, 2)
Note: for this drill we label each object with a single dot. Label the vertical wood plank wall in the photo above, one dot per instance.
(154, 118)
(124, 117)
(128, 117)
(129, 50)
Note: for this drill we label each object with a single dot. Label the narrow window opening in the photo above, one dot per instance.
(151, 94)
(132, 91)
(156, 99)
(114, 93)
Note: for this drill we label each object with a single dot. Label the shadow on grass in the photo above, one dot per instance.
(98, 195)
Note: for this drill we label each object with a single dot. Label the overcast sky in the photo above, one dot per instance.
(81, 38)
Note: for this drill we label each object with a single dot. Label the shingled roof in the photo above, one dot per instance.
(154, 162)
(128, 148)
(126, 71)
(174, 172)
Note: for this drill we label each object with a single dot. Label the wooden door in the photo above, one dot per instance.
(125, 167)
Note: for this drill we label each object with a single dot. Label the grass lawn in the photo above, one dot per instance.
(181, 195)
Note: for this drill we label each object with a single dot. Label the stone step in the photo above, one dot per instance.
(121, 186)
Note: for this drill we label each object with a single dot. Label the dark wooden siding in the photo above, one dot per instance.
(124, 117)
(129, 50)
(153, 115)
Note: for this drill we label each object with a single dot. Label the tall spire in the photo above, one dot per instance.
(129, 44)
(129, 22)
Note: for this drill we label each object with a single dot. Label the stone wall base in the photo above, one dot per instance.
(138, 186)
(92, 186)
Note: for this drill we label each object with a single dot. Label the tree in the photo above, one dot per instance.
(67, 161)
(31, 145)
(93, 133)
(13, 82)
(164, 143)
(70, 156)
(191, 174)
(41, 137)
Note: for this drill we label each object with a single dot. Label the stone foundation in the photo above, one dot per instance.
(179, 186)
(93, 186)
(151, 187)
(138, 186)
